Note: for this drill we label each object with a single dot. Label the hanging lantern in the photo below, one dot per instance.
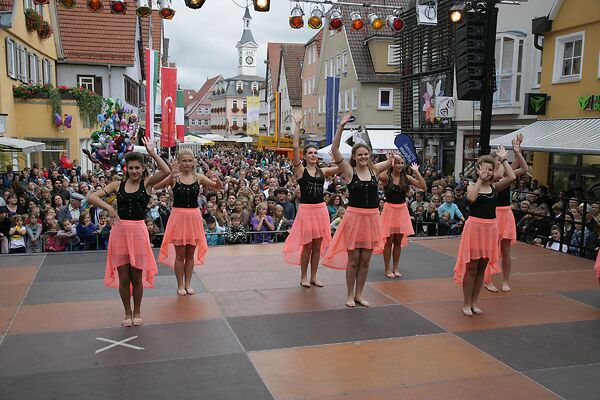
(40, 2)
(357, 21)
(297, 17)
(262, 5)
(396, 24)
(376, 22)
(95, 5)
(166, 10)
(68, 3)
(316, 19)
(335, 20)
(194, 4)
(143, 8)
(118, 6)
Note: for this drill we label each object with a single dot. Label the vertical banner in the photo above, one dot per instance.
(277, 116)
(180, 116)
(152, 70)
(331, 107)
(252, 122)
(169, 97)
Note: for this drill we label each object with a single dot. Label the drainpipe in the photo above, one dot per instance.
(109, 80)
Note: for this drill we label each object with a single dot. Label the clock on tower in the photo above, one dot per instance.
(249, 60)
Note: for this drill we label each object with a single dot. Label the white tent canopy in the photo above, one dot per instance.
(345, 148)
(199, 140)
(382, 141)
(214, 137)
(557, 136)
(19, 145)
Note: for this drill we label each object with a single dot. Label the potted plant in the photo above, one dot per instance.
(33, 20)
(235, 109)
(244, 110)
(234, 127)
(45, 30)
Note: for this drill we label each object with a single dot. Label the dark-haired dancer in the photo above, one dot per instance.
(184, 243)
(130, 254)
(479, 240)
(311, 233)
(507, 229)
(396, 225)
(358, 233)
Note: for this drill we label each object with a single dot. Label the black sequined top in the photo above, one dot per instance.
(503, 198)
(186, 196)
(394, 193)
(311, 188)
(132, 206)
(485, 205)
(363, 194)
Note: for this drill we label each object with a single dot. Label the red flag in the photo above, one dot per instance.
(169, 102)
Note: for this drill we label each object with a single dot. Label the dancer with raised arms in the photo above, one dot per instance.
(359, 232)
(184, 244)
(479, 240)
(311, 233)
(130, 264)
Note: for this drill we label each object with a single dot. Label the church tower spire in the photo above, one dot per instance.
(247, 48)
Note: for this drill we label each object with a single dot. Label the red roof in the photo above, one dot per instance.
(97, 38)
(6, 5)
(202, 93)
(292, 55)
(157, 26)
(273, 57)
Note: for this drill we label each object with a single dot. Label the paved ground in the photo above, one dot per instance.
(252, 332)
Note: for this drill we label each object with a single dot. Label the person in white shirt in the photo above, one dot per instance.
(554, 242)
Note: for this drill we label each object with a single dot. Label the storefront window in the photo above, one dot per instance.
(590, 161)
(54, 149)
(563, 180)
(564, 159)
(471, 147)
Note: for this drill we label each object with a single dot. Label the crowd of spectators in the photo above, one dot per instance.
(46, 209)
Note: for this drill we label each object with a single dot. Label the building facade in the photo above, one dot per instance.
(198, 111)
(310, 69)
(290, 84)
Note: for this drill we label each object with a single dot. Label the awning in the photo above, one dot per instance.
(19, 145)
(215, 138)
(198, 140)
(382, 141)
(557, 136)
(247, 139)
(345, 148)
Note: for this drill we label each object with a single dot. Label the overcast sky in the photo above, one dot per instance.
(202, 42)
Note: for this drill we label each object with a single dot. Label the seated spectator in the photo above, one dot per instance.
(261, 222)
(67, 236)
(337, 219)
(235, 233)
(430, 220)
(72, 210)
(34, 233)
(554, 240)
(214, 233)
(17, 235)
(580, 239)
(87, 232)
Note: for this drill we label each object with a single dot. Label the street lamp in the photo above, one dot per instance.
(262, 5)
(95, 5)
(297, 17)
(143, 8)
(194, 4)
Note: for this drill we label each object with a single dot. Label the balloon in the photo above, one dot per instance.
(101, 155)
(123, 124)
(100, 118)
(130, 148)
(123, 162)
(95, 136)
(68, 120)
(110, 149)
(110, 102)
(120, 155)
(65, 162)
(57, 120)
(118, 168)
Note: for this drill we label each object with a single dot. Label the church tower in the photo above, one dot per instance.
(247, 49)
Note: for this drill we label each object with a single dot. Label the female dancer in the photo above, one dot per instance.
(358, 233)
(479, 240)
(129, 250)
(507, 229)
(184, 243)
(310, 234)
(396, 225)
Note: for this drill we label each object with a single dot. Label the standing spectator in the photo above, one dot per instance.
(577, 244)
(214, 233)
(450, 207)
(87, 232)
(235, 232)
(67, 236)
(73, 210)
(554, 241)
(4, 229)
(17, 235)
(461, 201)
(34, 231)
(104, 228)
(289, 211)
(281, 223)
(418, 201)
(261, 222)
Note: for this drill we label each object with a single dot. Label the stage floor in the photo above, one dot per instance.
(251, 332)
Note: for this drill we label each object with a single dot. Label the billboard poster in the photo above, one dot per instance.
(253, 115)
(432, 87)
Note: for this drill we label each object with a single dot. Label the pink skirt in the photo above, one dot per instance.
(507, 229)
(597, 266)
(395, 219)
(479, 240)
(129, 243)
(311, 222)
(183, 228)
(359, 229)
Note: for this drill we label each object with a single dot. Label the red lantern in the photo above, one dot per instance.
(118, 6)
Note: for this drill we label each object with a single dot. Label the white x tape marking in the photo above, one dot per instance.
(118, 343)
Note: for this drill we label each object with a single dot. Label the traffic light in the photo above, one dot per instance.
(469, 50)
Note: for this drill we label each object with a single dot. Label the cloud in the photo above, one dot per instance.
(202, 42)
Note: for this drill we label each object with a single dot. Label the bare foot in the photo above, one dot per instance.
(127, 322)
(304, 283)
(505, 287)
(397, 274)
(477, 310)
(361, 301)
(316, 283)
(467, 311)
(350, 302)
(138, 321)
(181, 292)
(389, 274)
(491, 287)
(190, 290)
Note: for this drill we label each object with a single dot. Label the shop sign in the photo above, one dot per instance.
(535, 103)
(589, 103)
(270, 141)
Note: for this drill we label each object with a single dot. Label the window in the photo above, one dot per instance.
(11, 58)
(345, 62)
(568, 57)
(254, 86)
(347, 100)
(234, 104)
(132, 91)
(304, 85)
(35, 75)
(308, 56)
(314, 86)
(509, 65)
(22, 68)
(354, 100)
(239, 86)
(47, 72)
(30, 4)
(338, 65)
(86, 82)
(537, 65)
(234, 121)
(244, 104)
(393, 54)
(314, 51)
(386, 101)
(319, 104)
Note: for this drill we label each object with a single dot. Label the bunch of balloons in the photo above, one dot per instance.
(116, 136)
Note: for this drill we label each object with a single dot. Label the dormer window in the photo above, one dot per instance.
(239, 86)
(254, 86)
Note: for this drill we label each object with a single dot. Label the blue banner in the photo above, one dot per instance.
(406, 147)
(331, 107)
